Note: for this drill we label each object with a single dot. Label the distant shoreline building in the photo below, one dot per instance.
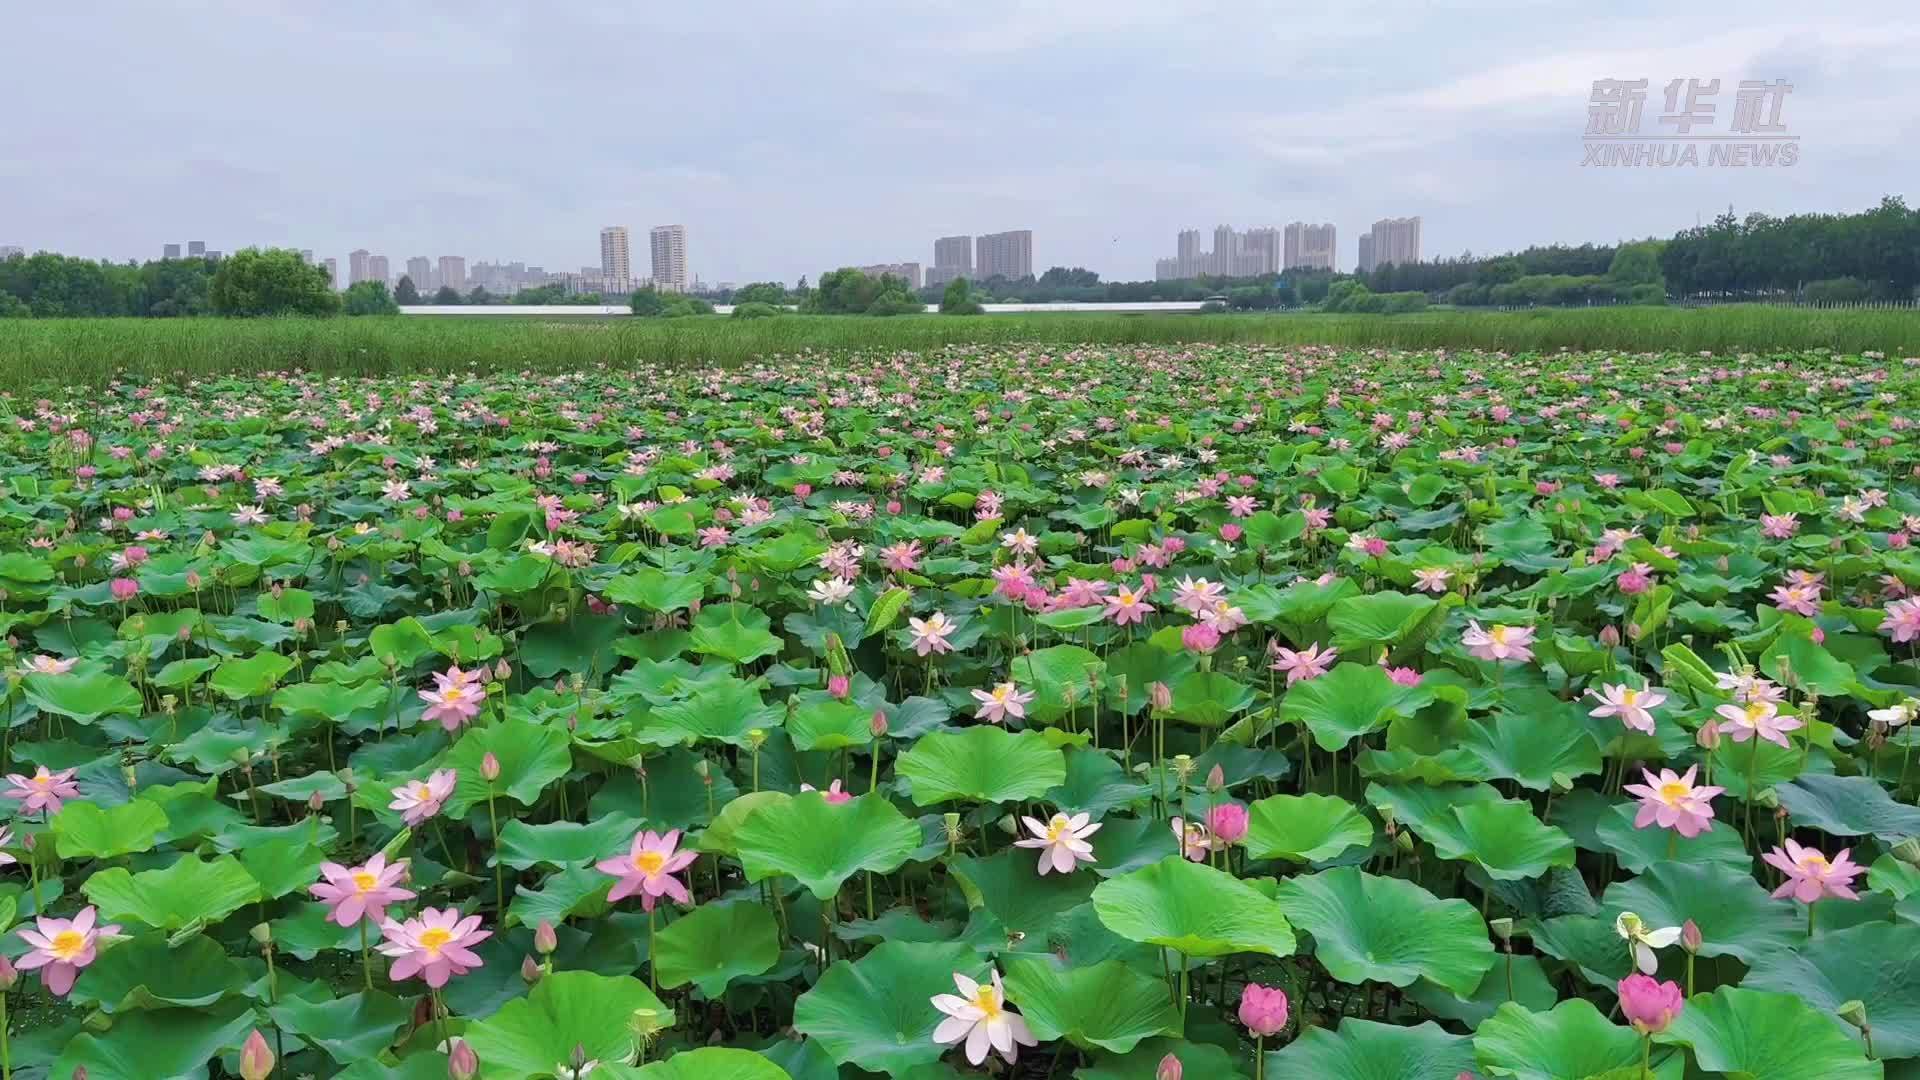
(377, 270)
(333, 272)
(616, 257)
(908, 272)
(356, 265)
(1365, 263)
(453, 273)
(1310, 247)
(668, 244)
(1253, 253)
(420, 271)
(1006, 255)
(1392, 240)
(952, 258)
(170, 251)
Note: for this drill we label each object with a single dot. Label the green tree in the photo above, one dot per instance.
(479, 295)
(274, 281)
(958, 299)
(1637, 264)
(405, 293)
(447, 295)
(651, 303)
(761, 292)
(755, 309)
(370, 298)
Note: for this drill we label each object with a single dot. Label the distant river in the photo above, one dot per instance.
(727, 309)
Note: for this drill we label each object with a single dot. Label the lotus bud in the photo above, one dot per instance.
(490, 767)
(1610, 635)
(529, 970)
(545, 939)
(79, 1072)
(579, 1058)
(503, 670)
(256, 1060)
(462, 1062)
(1690, 938)
(1160, 696)
(8, 975)
(316, 802)
(1169, 1069)
(878, 726)
(1216, 779)
(1708, 737)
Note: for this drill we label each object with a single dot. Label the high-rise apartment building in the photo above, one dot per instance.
(1259, 253)
(453, 273)
(616, 256)
(908, 272)
(420, 269)
(333, 272)
(1365, 265)
(170, 251)
(8, 251)
(952, 258)
(357, 266)
(377, 270)
(1188, 256)
(669, 244)
(196, 248)
(1309, 247)
(1396, 241)
(1253, 253)
(1004, 255)
(306, 256)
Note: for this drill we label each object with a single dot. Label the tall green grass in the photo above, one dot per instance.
(91, 350)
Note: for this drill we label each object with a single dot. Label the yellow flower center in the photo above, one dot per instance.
(1128, 598)
(42, 781)
(1673, 791)
(1756, 712)
(1628, 697)
(1056, 827)
(1000, 693)
(1498, 634)
(363, 881)
(1814, 862)
(649, 862)
(983, 999)
(453, 694)
(422, 791)
(68, 944)
(433, 939)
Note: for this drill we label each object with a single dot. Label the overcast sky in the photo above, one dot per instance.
(790, 137)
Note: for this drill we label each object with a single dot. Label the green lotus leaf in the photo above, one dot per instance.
(283, 865)
(1194, 909)
(1364, 1050)
(826, 724)
(1874, 963)
(1735, 915)
(561, 844)
(531, 756)
(529, 1036)
(713, 1063)
(254, 676)
(716, 943)
(145, 973)
(84, 698)
(329, 700)
(652, 589)
(1388, 930)
(349, 1028)
(1007, 885)
(1347, 702)
(1143, 1062)
(722, 836)
(1362, 624)
(185, 893)
(735, 632)
(724, 711)
(1429, 810)
(571, 893)
(161, 1044)
(1847, 806)
(1096, 785)
(1534, 747)
(981, 764)
(1765, 1036)
(1056, 675)
(1505, 839)
(1589, 943)
(877, 1012)
(85, 830)
(1638, 849)
(1107, 1005)
(1305, 828)
(1513, 979)
(822, 845)
(1572, 1041)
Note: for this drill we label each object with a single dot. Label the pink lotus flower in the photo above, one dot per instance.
(834, 795)
(63, 947)
(420, 800)
(1902, 622)
(1309, 663)
(124, 589)
(1799, 599)
(980, 1017)
(648, 868)
(1432, 580)
(1194, 839)
(1633, 707)
(1756, 718)
(1002, 701)
(1228, 822)
(361, 891)
(1263, 1009)
(47, 665)
(930, 634)
(1403, 676)
(1673, 802)
(1648, 1005)
(42, 791)
(1500, 643)
(455, 698)
(1127, 606)
(1201, 638)
(435, 945)
(1779, 526)
(1810, 876)
(1635, 579)
(1062, 841)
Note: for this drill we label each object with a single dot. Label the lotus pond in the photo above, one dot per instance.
(1110, 713)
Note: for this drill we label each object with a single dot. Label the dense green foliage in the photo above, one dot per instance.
(368, 298)
(651, 303)
(276, 281)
